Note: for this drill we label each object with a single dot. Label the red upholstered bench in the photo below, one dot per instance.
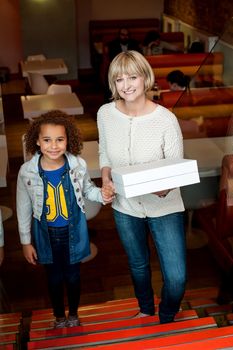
(211, 72)
(212, 107)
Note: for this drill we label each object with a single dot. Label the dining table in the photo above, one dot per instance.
(35, 105)
(209, 152)
(50, 66)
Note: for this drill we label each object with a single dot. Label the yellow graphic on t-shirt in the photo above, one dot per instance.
(56, 202)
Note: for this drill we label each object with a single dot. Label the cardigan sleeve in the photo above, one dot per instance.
(101, 115)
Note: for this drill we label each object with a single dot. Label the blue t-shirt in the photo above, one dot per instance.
(56, 207)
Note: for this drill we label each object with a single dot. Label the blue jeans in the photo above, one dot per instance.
(62, 274)
(169, 238)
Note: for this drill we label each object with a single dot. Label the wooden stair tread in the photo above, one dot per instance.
(218, 310)
(125, 335)
(95, 319)
(7, 338)
(210, 344)
(107, 326)
(202, 303)
(9, 329)
(200, 293)
(175, 339)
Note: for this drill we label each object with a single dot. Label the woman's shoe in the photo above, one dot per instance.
(140, 314)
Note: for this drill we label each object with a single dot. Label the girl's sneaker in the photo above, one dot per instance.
(72, 321)
(60, 323)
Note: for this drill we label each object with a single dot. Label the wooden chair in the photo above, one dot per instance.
(38, 83)
(39, 57)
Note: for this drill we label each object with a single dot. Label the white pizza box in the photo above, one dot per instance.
(164, 174)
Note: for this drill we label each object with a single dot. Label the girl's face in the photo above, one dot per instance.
(52, 141)
(130, 87)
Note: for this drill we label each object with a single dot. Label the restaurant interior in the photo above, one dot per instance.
(55, 55)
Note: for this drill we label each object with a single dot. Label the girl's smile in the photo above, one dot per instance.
(52, 141)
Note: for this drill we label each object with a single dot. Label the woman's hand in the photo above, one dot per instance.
(108, 192)
(30, 254)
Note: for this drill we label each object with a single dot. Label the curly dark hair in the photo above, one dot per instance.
(56, 117)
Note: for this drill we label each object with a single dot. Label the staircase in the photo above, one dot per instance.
(200, 324)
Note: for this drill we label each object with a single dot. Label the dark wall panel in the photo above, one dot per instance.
(208, 15)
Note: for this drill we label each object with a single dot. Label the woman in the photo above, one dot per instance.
(133, 130)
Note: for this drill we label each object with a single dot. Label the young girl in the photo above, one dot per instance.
(50, 190)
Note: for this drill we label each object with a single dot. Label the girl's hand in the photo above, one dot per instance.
(29, 253)
(162, 194)
(1, 255)
(108, 192)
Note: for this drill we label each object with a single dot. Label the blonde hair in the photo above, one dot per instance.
(129, 62)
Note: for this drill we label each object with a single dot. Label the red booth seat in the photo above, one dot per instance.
(210, 73)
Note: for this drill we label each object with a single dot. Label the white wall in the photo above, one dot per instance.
(102, 9)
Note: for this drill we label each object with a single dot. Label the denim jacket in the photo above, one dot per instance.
(30, 203)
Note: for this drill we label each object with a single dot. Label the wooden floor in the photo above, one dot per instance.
(22, 286)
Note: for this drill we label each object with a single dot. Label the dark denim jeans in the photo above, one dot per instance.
(169, 238)
(62, 274)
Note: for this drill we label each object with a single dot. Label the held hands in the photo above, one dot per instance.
(108, 192)
(29, 253)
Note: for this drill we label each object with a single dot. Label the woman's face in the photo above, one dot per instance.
(130, 86)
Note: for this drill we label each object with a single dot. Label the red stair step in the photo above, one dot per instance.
(119, 302)
(8, 338)
(107, 326)
(202, 303)
(124, 335)
(200, 293)
(9, 329)
(7, 347)
(175, 339)
(88, 319)
(95, 319)
(9, 321)
(210, 344)
(13, 315)
(229, 318)
(93, 311)
(218, 310)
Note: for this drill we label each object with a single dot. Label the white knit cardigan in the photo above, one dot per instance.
(125, 140)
